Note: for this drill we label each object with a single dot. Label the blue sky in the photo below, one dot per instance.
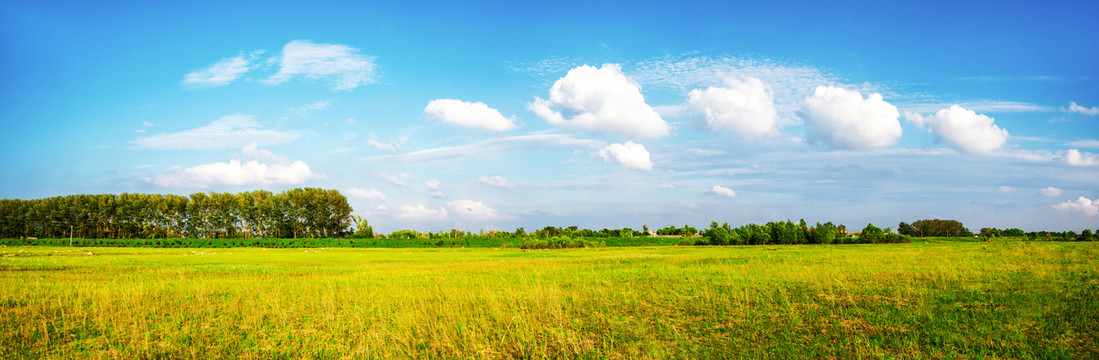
(596, 114)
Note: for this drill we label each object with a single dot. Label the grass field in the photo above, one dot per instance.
(921, 300)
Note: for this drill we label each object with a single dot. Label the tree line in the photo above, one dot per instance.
(296, 213)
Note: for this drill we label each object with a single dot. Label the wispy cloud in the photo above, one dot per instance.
(1074, 108)
(395, 179)
(342, 66)
(230, 131)
(310, 107)
(222, 72)
(490, 147)
(365, 193)
(496, 180)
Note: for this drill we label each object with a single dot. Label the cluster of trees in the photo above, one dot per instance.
(934, 227)
(297, 213)
(788, 232)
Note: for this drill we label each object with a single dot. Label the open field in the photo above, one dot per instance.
(920, 300)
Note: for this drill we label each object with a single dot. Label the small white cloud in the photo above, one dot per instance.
(842, 119)
(351, 121)
(1005, 189)
(600, 100)
(1050, 191)
(237, 173)
(230, 131)
(467, 114)
(963, 130)
(311, 107)
(365, 193)
(418, 211)
(438, 194)
(395, 179)
(1089, 143)
(1074, 108)
(1082, 205)
(221, 73)
(1074, 157)
(474, 209)
(341, 150)
(432, 184)
(343, 66)
(722, 191)
(744, 107)
(496, 180)
(253, 152)
(629, 155)
(390, 147)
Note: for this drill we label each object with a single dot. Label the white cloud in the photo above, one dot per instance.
(432, 184)
(311, 107)
(237, 173)
(221, 73)
(1050, 191)
(418, 211)
(629, 155)
(395, 179)
(842, 119)
(351, 121)
(1074, 108)
(467, 114)
(722, 191)
(600, 100)
(230, 131)
(1074, 157)
(1089, 143)
(474, 209)
(1082, 204)
(1005, 189)
(365, 193)
(343, 66)
(744, 107)
(490, 147)
(496, 180)
(963, 130)
(987, 106)
(390, 147)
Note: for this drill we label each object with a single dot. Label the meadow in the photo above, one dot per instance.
(928, 299)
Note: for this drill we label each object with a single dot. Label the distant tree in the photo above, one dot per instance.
(871, 234)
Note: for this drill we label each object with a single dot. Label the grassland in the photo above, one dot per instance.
(921, 300)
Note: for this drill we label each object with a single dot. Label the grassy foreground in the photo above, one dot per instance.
(920, 300)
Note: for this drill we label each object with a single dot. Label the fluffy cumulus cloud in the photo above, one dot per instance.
(842, 119)
(600, 100)
(474, 210)
(496, 180)
(744, 107)
(231, 131)
(1075, 108)
(722, 191)
(1050, 191)
(1082, 205)
(629, 155)
(964, 130)
(1074, 157)
(344, 67)
(432, 184)
(467, 114)
(221, 73)
(365, 193)
(238, 173)
(418, 211)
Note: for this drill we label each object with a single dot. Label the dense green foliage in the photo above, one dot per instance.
(934, 227)
(924, 300)
(297, 213)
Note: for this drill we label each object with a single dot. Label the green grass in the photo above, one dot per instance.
(932, 299)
